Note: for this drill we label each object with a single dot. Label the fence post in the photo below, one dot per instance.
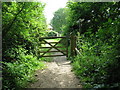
(67, 46)
(73, 44)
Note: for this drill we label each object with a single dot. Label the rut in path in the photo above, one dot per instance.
(57, 75)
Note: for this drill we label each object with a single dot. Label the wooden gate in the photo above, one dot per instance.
(53, 47)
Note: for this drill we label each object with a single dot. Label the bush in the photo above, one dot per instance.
(97, 67)
(19, 73)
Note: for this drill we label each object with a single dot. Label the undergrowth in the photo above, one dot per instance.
(19, 73)
(98, 64)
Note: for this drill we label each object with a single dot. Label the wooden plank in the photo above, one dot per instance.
(52, 51)
(52, 37)
(73, 45)
(67, 47)
(53, 47)
(49, 42)
(45, 47)
(53, 55)
(67, 50)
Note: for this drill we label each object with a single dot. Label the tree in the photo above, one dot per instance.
(60, 20)
(23, 23)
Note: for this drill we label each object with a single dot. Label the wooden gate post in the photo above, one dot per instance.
(73, 44)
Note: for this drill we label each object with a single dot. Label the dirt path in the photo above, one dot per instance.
(57, 75)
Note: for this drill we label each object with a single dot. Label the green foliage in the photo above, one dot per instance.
(88, 17)
(59, 20)
(96, 27)
(23, 23)
(17, 74)
(98, 67)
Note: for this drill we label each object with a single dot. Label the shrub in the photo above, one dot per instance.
(97, 67)
(17, 74)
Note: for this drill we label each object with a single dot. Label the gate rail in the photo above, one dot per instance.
(42, 53)
(73, 48)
